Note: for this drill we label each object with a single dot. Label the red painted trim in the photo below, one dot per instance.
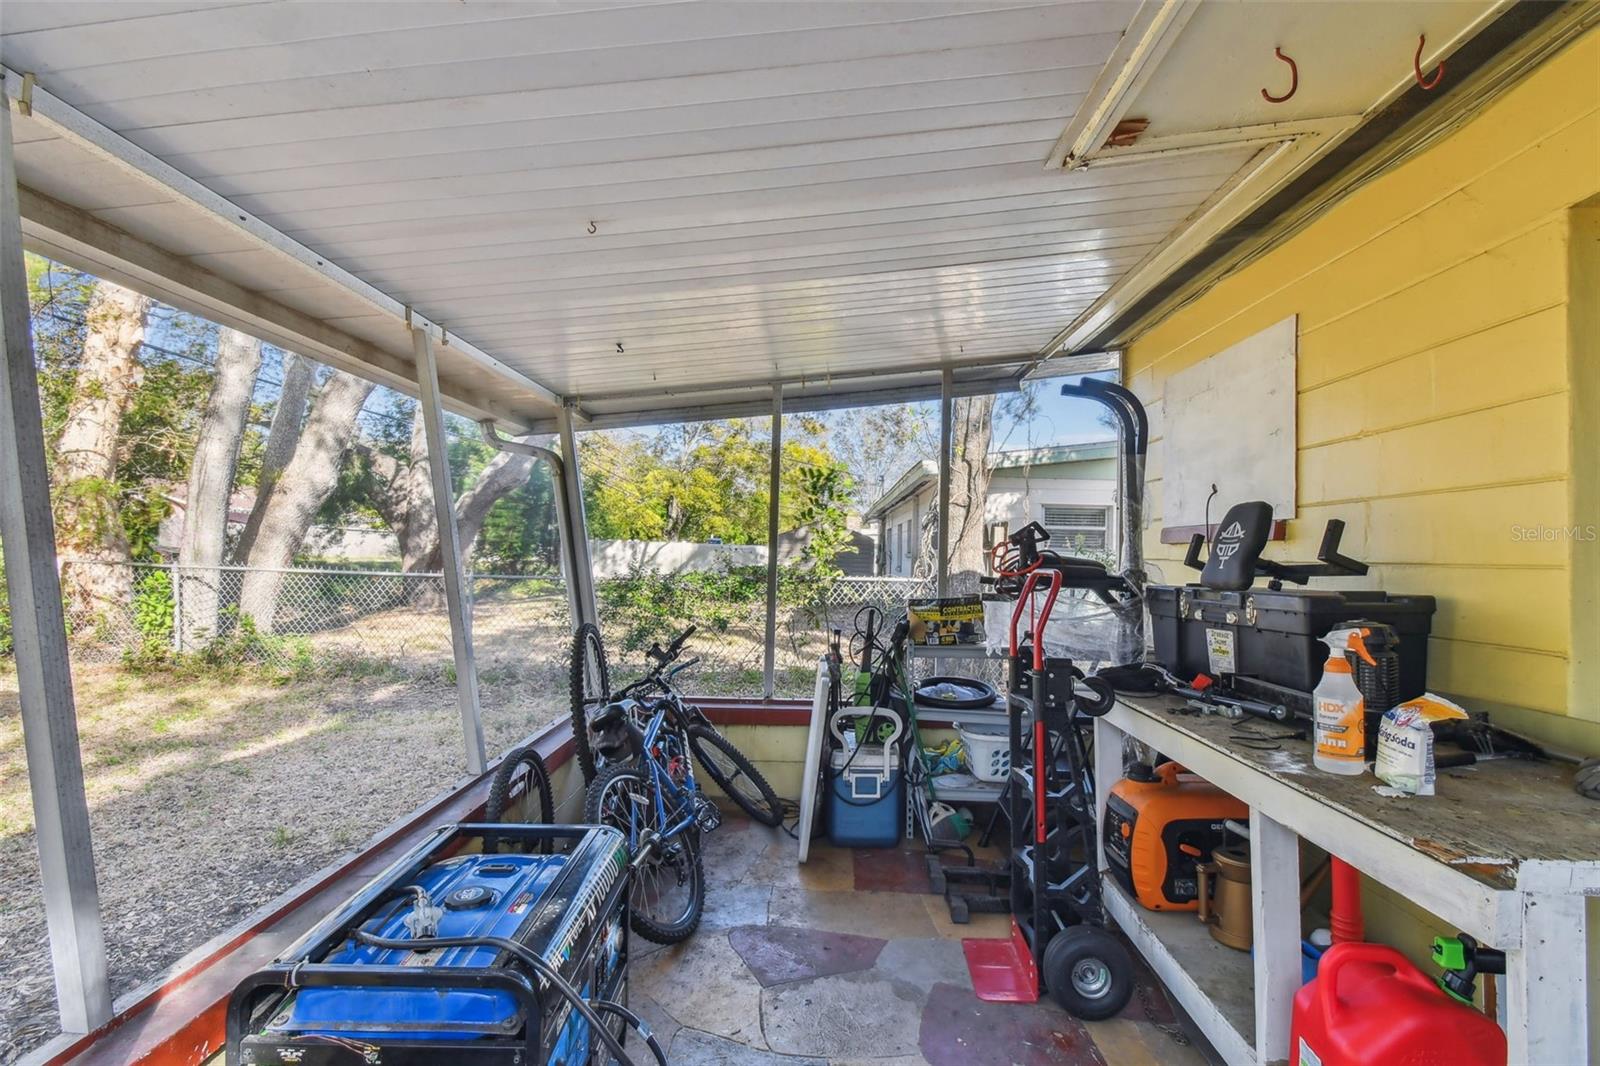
(1182, 534)
(776, 713)
(163, 1028)
(798, 713)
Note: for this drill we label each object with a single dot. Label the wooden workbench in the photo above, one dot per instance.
(1505, 851)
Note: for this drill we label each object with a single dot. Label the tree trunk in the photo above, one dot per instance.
(88, 526)
(305, 484)
(419, 535)
(404, 496)
(299, 374)
(505, 473)
(216, 458)
(971, 428)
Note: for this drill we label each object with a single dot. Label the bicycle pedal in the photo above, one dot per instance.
(706, 815)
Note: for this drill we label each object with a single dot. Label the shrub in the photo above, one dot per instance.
(647, 606)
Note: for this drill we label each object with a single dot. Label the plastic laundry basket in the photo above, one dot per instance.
(988, 750)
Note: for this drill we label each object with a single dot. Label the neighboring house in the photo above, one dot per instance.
(1068, 489)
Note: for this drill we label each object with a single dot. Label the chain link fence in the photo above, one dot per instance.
(301, 620)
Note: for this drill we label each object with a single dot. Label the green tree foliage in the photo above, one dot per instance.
(701, 481)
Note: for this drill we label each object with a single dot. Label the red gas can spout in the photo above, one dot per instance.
(1345, 922)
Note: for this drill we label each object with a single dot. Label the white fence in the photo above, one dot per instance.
(620, 558)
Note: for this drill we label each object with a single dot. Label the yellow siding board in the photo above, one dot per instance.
(1521, 441)
(1521, 609)
(1468, 528)
(1503, 675)
(1524, 355)
(1507, 200)
(1523, 275)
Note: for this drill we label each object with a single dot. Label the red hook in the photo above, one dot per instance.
(1294, 80)
(1416, 66)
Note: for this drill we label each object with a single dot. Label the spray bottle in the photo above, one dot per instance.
(1339, 710)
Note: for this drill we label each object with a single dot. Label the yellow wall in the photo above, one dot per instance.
(1443, 313)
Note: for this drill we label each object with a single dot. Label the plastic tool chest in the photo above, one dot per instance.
(1267, 637)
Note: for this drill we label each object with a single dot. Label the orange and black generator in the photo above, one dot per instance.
(1160, 824)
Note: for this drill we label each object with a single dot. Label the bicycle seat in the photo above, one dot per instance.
(617, 736)
(613, 713)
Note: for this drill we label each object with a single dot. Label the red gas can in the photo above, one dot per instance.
(1369, 1006)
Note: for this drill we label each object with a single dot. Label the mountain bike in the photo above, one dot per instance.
(647, 790)
(733, 772)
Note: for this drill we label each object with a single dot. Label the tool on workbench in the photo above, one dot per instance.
(1209, 698)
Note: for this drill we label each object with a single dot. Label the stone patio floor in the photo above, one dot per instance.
(850, 960)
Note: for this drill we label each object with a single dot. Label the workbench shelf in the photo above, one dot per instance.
(1214, 985)
(1506, 851)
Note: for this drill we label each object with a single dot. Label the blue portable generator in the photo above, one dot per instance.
(516, 953)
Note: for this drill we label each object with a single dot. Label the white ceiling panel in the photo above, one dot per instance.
(734, 193)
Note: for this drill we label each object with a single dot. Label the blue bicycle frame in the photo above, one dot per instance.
(682, 796)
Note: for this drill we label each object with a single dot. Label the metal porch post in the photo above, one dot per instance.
(458, 596)
(44, 678)
(769, 668)
(575, 527)
(946, 434)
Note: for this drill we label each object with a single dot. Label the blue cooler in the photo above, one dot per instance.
(866, 789)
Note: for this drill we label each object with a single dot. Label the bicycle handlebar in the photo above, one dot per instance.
(663, 656)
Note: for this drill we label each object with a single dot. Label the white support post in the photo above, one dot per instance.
(575, 531)
(1107, 772)
(946, 436)
(1275, 900)
(39, 635)
(458, 596)
(769, 669)
(1547, 1002)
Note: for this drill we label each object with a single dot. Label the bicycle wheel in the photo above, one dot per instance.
(521, 777)
(668, 892)
(735, 775)
(589, 685)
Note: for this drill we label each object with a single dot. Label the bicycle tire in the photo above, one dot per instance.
(501, 794)
(584, 639)
(764, 805)
(647, 927)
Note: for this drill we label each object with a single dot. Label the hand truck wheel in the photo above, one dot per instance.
(1099, 699)
(1087, 972)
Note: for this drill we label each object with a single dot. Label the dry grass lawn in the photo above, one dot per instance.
(210, 795)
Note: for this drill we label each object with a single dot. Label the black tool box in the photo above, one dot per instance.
(1228, 628)
(1275, 636)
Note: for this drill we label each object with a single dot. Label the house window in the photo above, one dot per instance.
(1076, 528)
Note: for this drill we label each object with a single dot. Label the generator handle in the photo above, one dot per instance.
(282, 978)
